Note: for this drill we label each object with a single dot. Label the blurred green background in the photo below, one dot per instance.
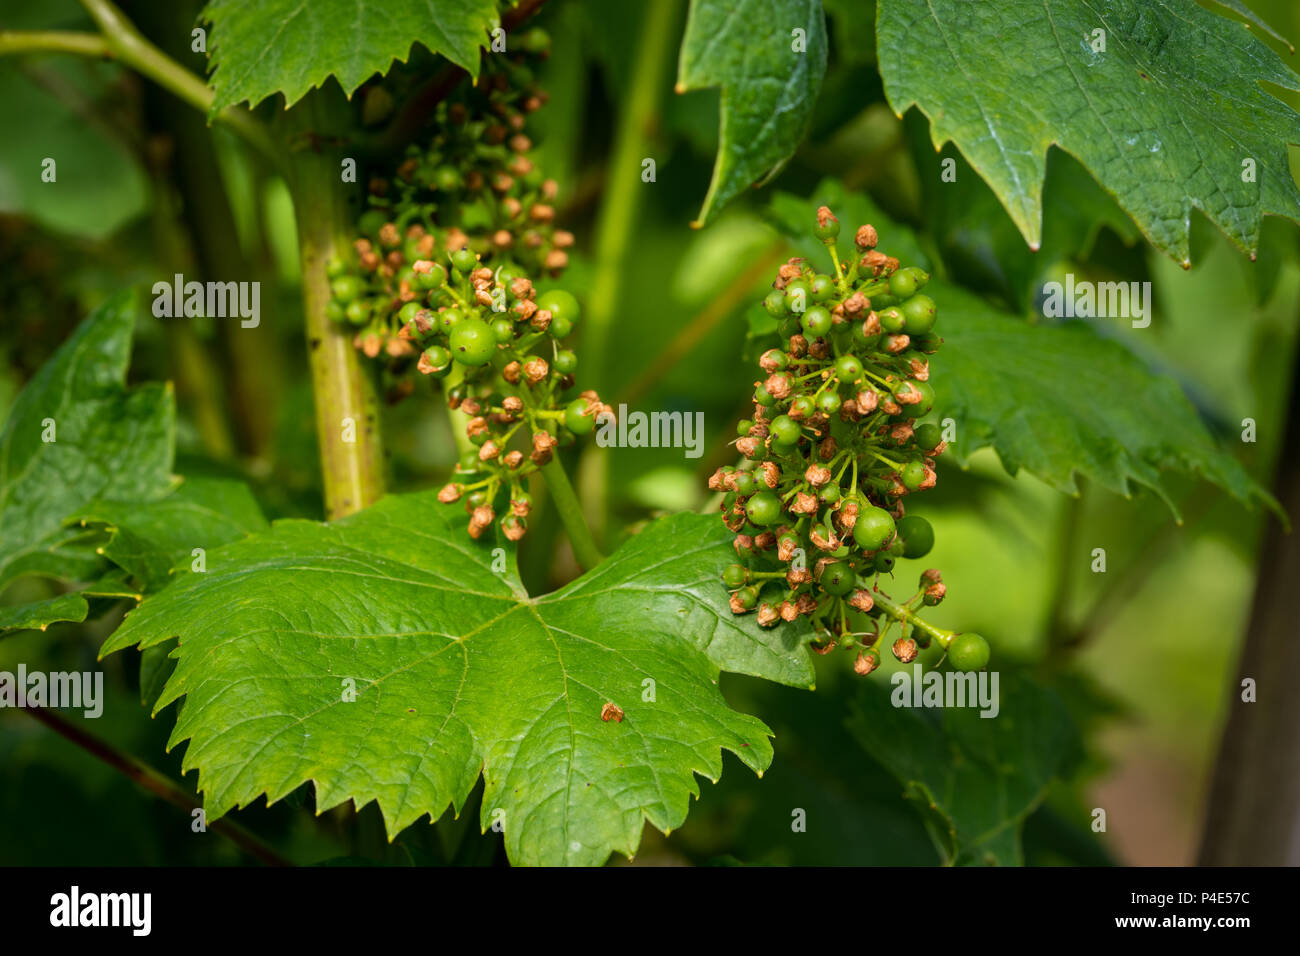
(1143, 655)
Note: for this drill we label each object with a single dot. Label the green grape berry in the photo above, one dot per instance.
(906, 282)
(848, 369)
(803, 407)
(923, 407)
(744, 481)
(884, 563)
(927, 436)
(822, 286)
(913, 475)
(797, 293)
(817, 321)
(561, 305)
(735, 576)
(435, 278)
(503, 331)
(347, 288)
(358, 312)
(472, 342)
(873, 528)
(829, 403)
(439, 358)
(892, 320)
(566, 362)
(917, 536)
(838, 579)
(774, 302)
(919, 315)
(764, 509)
(968, 652)
(464, 261)
(786, 430)
(578, 418)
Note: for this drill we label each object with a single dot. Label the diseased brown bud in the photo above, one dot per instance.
(502, 239)
(861, 599)
(563, 239)
(935, 593)
(806, 603)
(398, 347)
(796, 578)
(865, 664)
(826, 450)
(744, 545)
(819, 349)
(511, 373)
(866, 237)
(449, 493)
(798, 346)
(471, 406)
(716, 480)
(871, 325)
(525, 309)
(477, 425)
(905, 649)
(747, 446)
(770, 361)
(893, 344)
(848, 516)
(901, 434)
(822, 542)
(891, 407)
(536, 369)
(785, 550)
(789, 611)
(389, 235)
(513, 459)
(488, 450)
(822, 647)
(920, 369)
(512, 404)
(791, 269)
(817, 475)
(543, 443)
(765, 541)
(556, 260)
(771, 474)
(611, 711)
(520, 507)
(502, 182)
(540, 212)
(779, 386)
(768, 615)
(804, 504)
(855, 304)
(737, 607)
(931, 479)
(849, 411)
(522, 288)
(931, 576)
(513, 527)
(542, 320)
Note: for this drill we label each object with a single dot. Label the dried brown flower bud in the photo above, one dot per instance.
(768, 615)
(855, 304)
(488, 450)
(804, 504)
(536, 369)
(865, 664)
(771, 473)
(770, 361)
(817, 475)
(861, 600)
(449, 493)
(542, 320)
(905, 649)
(611, 711)
(866, 237)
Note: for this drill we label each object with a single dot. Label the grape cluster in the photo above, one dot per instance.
(834, 447)
(471, 185)
(441, 283)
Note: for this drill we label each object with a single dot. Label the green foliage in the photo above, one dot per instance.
(1164, 117)
(974, 779)
(457, 670)
(768, 89)
(110, 442)
(1061, 400)
(1054, 400)
(147, 539)
(285, 46)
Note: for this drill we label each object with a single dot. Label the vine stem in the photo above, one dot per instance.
(570, 511)
(347, 402)
(904, 615)
(120, 40)
(153, 781)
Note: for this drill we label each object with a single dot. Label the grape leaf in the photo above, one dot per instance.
(1054, 399)
(41, 614)
(747, 47)
(108, 442)
(147, 539)
(1061, 399)
(973, 778)
(1164, 117)
(458, 671)
(289, 47)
